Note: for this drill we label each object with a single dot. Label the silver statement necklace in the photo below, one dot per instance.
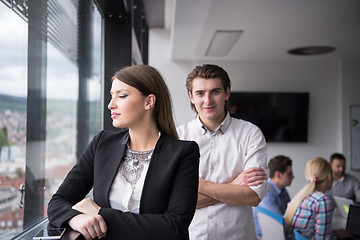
(133, 165)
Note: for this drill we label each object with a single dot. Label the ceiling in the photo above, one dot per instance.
(270, 27)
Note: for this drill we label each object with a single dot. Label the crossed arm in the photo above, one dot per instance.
(237, 192)
(90, 224)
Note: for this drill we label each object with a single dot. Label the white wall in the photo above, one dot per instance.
(350, 89)
(174, 72)
(322, 79)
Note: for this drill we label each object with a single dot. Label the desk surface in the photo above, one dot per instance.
(338, 223)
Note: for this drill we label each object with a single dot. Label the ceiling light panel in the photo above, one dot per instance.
(222, 42)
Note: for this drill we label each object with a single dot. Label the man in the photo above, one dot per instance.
(281, 176)
(229, 147)
(344, 185)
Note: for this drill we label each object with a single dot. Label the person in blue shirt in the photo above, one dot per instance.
(281, 176)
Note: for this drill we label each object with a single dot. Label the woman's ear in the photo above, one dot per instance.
(150, 101)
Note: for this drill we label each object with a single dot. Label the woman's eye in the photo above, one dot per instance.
(123, 96)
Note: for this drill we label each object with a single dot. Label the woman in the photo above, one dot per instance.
(310, 212)
(144, 179)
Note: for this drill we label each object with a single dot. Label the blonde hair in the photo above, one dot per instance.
(316, 172)
(149, 81)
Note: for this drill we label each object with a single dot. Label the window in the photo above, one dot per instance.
(50, 101)
(13, 90)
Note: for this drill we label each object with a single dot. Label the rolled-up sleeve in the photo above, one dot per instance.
(256, 156)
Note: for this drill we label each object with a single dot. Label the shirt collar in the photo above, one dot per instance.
(223, 126)
(273, 185)
(342, 178)
(201, 128)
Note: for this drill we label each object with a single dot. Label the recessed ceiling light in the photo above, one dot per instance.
(312, 50)
(222, 42)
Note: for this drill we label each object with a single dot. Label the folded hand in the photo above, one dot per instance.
(250, 177)
(90, 226)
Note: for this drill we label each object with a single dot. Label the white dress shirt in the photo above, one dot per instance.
(235, 146)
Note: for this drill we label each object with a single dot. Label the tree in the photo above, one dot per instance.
(3, 139)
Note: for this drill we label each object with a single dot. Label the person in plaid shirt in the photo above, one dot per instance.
(310, 212)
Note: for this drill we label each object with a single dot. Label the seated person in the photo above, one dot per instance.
(344, 185)
(310, 211)
(281, 176)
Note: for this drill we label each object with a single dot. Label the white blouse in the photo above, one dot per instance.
(123, 195)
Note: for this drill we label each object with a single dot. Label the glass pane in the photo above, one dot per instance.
(61, 113)
(95, 92)
(63, 105)
(65, 100)
(13, 97)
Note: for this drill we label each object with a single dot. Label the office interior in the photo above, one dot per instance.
(258, 62)
(176, 35)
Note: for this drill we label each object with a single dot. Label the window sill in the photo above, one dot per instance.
(30, 233)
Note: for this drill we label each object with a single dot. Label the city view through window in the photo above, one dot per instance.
(13, 91)
(62, 90)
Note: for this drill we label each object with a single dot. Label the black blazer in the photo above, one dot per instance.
(169, 195)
